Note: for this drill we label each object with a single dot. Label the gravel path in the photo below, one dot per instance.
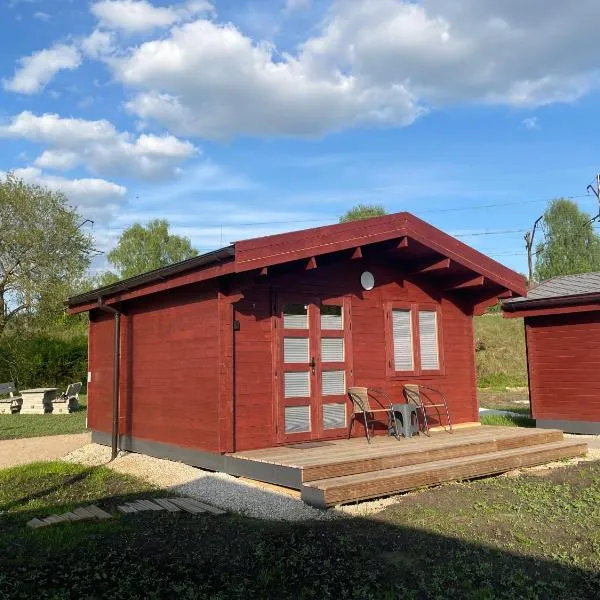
(218, 489)
(23, 451)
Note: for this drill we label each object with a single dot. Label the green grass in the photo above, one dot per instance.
(500, 352)
(529, 537)
(26, 426)
(507, 420)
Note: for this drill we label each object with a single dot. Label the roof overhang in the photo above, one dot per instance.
(428, 249)
(551, 306)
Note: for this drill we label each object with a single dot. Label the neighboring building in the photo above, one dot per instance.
(562, 332)
(255, 345)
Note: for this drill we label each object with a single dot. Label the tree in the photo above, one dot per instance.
(571, 246)
(363, 211)
(43, 252)
(141, 249)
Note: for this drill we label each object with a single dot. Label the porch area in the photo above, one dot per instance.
(329, 473)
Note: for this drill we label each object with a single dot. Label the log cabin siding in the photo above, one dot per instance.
(169, 369)
(257, 351)
(564, 372)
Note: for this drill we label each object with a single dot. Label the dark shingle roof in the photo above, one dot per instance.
(566, 286)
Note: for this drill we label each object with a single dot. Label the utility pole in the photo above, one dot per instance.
(529, 239)
(596, 191)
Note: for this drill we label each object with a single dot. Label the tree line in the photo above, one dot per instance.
(46, 253)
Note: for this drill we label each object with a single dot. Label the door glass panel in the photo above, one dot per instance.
(296, 384)
(334, 416)
(332, 349)
(295, 316)
(295, 350)
(333, 383)
(331, 318)
(297, 419)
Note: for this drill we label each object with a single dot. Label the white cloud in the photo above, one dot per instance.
(99, 147)
(37, 70)
(369, 63)
(99, 44)
(531, 123)
(139, 16)
(212, 81)
(294, 5)
(96, 198)
(516, 53)
(42, 16)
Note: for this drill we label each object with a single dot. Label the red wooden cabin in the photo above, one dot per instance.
(255, 345)
(562, 329)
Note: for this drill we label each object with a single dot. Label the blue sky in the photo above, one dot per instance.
(241, 118)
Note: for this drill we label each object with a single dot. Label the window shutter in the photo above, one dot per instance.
(296, 384)
(295, 350)
(332, 318)
(334, 416)
(430, 360)
(403, 344)
(333, 383)
(332, 349)
(297, 419)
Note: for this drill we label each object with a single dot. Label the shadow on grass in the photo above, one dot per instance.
(168, 555)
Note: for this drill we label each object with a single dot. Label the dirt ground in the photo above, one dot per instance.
(515, 398)
(23, 451)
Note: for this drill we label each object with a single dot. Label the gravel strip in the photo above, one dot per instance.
(219, 489)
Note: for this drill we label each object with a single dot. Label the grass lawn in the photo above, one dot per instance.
(536, 536)
(513, 401)
(26, 426)
(500, 351)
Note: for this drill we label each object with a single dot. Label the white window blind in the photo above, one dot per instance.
(296, 384)
(331, 318)
(295, 316)
(430, 360)
(333, 383)
(332, 349)
(334, 416)
(403, 342)
(297, 419)
(295, 350)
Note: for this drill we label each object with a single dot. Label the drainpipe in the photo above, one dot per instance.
(116, 376)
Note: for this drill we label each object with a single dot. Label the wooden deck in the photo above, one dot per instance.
(341, 471)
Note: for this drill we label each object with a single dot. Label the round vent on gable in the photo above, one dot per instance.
(367, 280)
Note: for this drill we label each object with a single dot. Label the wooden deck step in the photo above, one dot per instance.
(362, 486)
(427, 450)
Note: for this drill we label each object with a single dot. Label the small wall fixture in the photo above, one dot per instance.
(367, 280)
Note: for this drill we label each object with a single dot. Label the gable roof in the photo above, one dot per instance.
(418, 236)
(559, 291)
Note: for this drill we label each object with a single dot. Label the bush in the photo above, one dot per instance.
(43, 361)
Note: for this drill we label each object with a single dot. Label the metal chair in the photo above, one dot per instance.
(413, 393)
(361, 405)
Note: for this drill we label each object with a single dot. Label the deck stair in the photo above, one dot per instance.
(350, 470)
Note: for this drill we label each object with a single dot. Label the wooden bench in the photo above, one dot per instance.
(9, 403)
(68, 401)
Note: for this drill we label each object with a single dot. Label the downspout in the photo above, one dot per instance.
(116, 376)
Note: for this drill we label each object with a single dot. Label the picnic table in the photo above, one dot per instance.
(38, 401)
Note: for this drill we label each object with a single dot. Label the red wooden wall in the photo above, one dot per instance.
(564, 366)
(169, 369)
(255, 396)
(179, 385)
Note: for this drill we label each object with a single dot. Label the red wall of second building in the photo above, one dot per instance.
(169, 369)
(564, 367)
